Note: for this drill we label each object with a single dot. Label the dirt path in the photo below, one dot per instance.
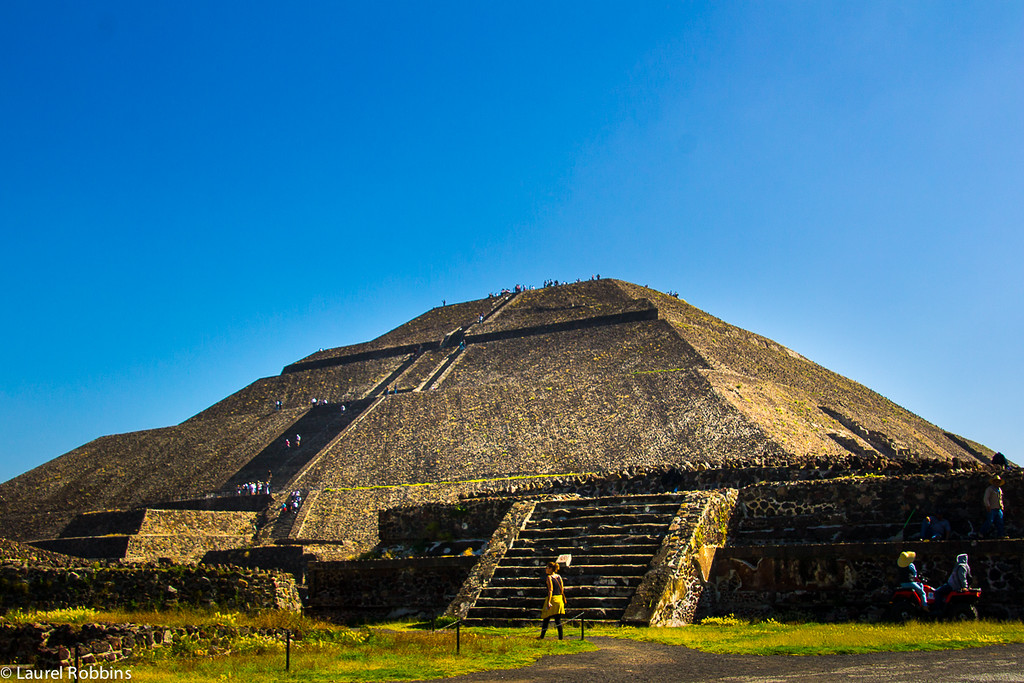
(628, 661)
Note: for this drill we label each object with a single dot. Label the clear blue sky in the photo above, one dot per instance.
(194, 194)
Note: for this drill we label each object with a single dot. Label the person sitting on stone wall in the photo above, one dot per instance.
(908, 576)
(999, 460)
(936, 528)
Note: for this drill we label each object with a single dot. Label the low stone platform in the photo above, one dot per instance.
(148, 535)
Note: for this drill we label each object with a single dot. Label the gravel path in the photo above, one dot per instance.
(628, 661)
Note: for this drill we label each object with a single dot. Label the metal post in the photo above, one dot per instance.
(458, 637)
(76, 662)
(583, 629)
(288, 650)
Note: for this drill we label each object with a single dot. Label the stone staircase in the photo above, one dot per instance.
(612, 542)
(280, 462)
(454, 338)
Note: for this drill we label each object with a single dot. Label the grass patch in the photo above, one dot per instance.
(731, 636)
(361, 655)
(320, 652)
(407, 651)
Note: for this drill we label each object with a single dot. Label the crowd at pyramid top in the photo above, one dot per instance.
(522, 288)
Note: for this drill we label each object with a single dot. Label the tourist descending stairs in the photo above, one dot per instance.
(612, 542)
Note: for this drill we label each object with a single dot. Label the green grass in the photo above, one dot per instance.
(405, 651)
(351, 655)
(391, 652)
(731, 636)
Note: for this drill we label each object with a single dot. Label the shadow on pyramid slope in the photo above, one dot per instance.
(803, 387)
(134, 469)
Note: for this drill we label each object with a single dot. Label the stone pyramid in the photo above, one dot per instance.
(490, 396)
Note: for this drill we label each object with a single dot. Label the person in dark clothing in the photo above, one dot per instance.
(959, 580)
(936, 527)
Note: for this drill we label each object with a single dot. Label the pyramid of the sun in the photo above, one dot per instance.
(592, 377)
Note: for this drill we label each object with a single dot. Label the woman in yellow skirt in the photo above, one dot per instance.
(554, 606)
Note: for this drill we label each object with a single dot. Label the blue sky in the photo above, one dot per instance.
(195, 194)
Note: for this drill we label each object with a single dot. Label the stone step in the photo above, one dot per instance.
(577, 574)
(577, 571)
(594, 530)
(622, 576)
(528, 557)
(518, 566)
(611, 501)
(612, 541)
(588, 517)
(588, 506)
(590, 545)
(599, 519)
(540, 591)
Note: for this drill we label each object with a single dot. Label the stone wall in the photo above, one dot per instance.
(868, 508)
(149, 535)
(435, 521)
(245, 503)
(671, 590)
(481, 573)
(178, 548)
(198, 523)
(111, 587)
(88, 547)
(350, 515)
(52, 646)
(372, 590)
(852, 582)
(287, 558)
(104, 523)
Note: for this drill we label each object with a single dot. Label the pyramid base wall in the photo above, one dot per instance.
(853, 582)
(145, 588)
(373, 590)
